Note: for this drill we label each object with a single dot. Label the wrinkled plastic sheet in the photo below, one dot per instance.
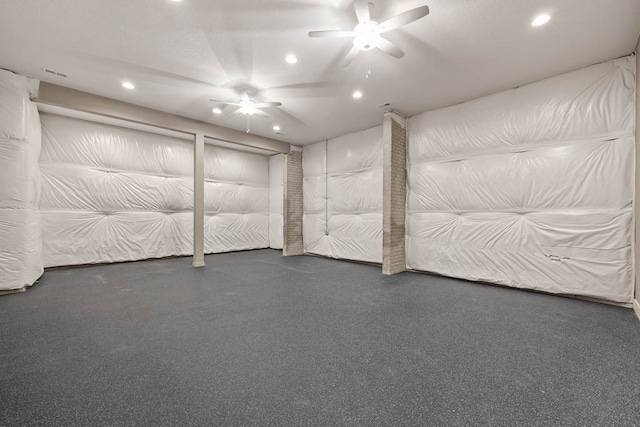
(568, 252)
(276, 200)
(16, 109)
(112, 194)
(82, 237)
(531, 187)
(594, 102)
(342, 196)
(20, 138)
(20, 248)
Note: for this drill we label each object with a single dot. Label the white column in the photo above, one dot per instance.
(636, 301)
(198, 201)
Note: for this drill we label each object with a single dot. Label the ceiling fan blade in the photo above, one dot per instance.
(288, 117)
(387, 47)
(261, 113)
(403, 19)
(305, 85)
(307, 90)
(266, 104)
(362, 10)
(331, 33)
(92, 60)
(235, 104)
(351, 55)
(225, 102)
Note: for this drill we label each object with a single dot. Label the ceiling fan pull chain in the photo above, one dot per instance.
(368, 65)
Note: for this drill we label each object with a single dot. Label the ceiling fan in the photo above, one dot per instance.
(249, 107)
(367, 34)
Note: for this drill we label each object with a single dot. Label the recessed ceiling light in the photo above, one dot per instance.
(540, 20)
(276, 128)
(128, 85)
(176, 1)
(357, 94)
(291, 59)
(217, 111)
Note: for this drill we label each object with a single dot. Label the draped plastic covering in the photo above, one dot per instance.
(20, 139)
(113, 194)
(531, 187)
(342, 190)
(276, 200)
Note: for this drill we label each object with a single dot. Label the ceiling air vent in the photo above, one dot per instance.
(55, 73)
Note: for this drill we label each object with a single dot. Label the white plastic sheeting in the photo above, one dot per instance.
(113, 194)
(342, 189)
(20, 140)
(531, 187)
(276, 200)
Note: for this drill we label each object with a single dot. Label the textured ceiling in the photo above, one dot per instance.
(181, 54)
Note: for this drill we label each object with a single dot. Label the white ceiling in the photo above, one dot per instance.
(180, 54)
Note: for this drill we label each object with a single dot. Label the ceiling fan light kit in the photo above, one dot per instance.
(248, 110)
(367, 36)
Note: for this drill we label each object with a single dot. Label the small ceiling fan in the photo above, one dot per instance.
(367, 34)
(249, 107)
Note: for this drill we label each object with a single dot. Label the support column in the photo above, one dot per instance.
(198, 201)
(636, 300)
(394, 193)
(292, 244)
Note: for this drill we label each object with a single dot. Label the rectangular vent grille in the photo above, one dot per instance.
(55, 73)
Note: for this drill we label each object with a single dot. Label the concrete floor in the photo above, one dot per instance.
(258, 339)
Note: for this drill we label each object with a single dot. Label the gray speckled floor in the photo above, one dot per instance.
(258, 339)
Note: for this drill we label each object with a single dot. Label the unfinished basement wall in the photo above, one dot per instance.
(342, 187)
(112, 194)
(531, 187)
(276, 200)
(20, 139)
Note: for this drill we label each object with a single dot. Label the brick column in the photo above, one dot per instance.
(394, 193)
(292, 233)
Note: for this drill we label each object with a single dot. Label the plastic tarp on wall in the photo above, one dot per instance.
(20, 139)
(342, 190)
(276, 200)
(531, 187)
(113, 194)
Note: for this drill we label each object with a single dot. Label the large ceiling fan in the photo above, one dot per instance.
(249, 107)
(367, 34)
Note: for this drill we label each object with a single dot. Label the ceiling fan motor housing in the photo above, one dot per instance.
(367, 35)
